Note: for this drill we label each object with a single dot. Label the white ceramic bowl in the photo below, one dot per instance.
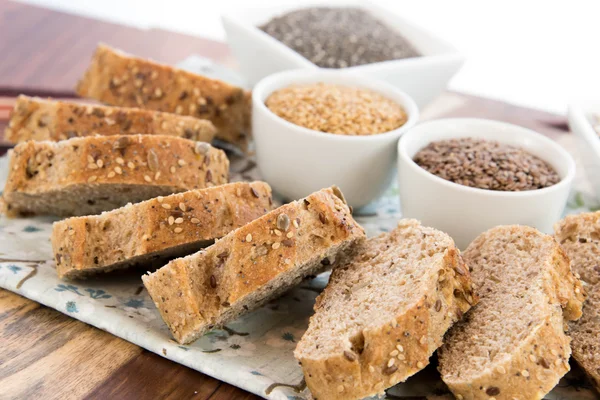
(260, 55)
(297, 161)
(464, 212)
(588, 141)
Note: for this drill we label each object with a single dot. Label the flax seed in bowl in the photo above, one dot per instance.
(294, 155)
(486, 164)
(467, 175)
(337, 109)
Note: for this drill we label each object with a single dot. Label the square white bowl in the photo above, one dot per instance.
(423, 78)
(588, 140)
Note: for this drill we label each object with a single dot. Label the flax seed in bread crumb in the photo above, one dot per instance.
(337, 109)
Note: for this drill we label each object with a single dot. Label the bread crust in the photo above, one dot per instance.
(578, 233)
(140, 165)
(118, 238)
(116, 78)
(519, 376)
(585, 335)
(419, 331)
(34, 118)
(251, 265)
(536, 365)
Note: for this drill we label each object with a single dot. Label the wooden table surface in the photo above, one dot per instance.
(45, 354)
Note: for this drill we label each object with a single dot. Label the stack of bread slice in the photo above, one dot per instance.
(384, 312)
(152, 142)
(252, 264)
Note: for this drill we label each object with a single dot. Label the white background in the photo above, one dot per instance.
(542, 54)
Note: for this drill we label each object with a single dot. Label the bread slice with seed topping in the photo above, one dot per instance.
(579, 236)
(88, 175)
(512, 344)
(120, 79)
(155, 230)
(39, 119)
(384, 312)
(252, 264)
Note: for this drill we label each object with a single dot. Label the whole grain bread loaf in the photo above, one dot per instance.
(116, 78)
(579, 236)
(40, 119)
(252, 264)
(512, 344)
(155, 230)
(384, 312)
(88, 175)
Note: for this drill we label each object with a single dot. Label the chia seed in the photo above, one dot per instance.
(486, 165)
(338, 37)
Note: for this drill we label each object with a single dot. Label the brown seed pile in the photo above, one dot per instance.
(486, 165)
(338, 37)
(337, 109)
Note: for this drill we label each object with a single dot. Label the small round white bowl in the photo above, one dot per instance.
(297, 161)
(464, 212)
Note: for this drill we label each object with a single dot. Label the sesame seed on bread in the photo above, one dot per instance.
(34, 118)
(89, 175)
(512, 344)
(155, 230)
(579, 236)
(253, 264)
(120, 79)
(384, 312)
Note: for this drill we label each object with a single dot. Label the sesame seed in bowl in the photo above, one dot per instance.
(303, 144)
(337, 109)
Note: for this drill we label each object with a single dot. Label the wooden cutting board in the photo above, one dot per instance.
(45, 354)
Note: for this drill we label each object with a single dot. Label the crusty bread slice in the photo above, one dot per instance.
(88, 175)
(40, 119)
(512, 344)
(120, 79)
(252, 264)
(579, 236)
(384, 312)
(155, 230)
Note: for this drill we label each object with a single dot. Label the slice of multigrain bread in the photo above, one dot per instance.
(579, 236)
(155, 230)
(252, 264)
(384, 312)
(88, 175)
(512, 344)
(116, 78)
(40, 119)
